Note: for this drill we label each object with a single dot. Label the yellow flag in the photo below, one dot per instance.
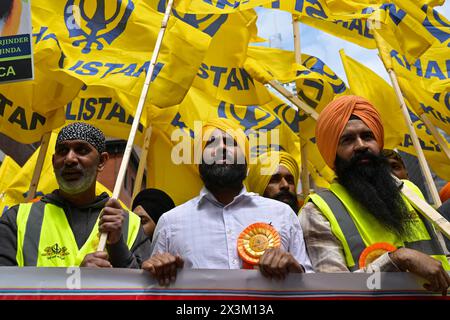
(112, 111)
(216, 6)
(110, 43)
(17, 189)
(8, 171)
(425, 81)
(222, 74)
(369, 85)
(356, 21)
(28, 109)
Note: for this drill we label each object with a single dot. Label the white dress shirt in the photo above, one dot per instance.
(204, 232)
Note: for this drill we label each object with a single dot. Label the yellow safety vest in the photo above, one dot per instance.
(357, 229)
(45, 238)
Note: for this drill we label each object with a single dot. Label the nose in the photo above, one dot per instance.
(360, 144)
(71, 158)
(284, 185)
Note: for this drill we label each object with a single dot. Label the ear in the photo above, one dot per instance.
(104, 156)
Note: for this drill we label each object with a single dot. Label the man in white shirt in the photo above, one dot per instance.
(203, 232)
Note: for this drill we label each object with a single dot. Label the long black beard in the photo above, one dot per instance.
(5, 8)
(291, 199)
(217, 177)
(372, 185)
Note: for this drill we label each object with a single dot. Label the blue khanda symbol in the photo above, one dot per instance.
(254, 117)
(97, 25)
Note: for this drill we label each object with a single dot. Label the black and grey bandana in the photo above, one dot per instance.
(85, 132)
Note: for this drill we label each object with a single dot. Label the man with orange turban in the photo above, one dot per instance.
(362, 221)
(226, 227)
(275, 176)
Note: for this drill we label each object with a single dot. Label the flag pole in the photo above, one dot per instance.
(294, 99)
(39, 165)
(439, 139)
(415, 139)
(137, 117)
(304, 174)
(142, 162)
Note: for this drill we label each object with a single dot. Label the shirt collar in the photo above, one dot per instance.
(206, 195)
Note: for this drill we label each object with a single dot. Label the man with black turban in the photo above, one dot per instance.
(362, 221)
(62, 229)
(149, 205)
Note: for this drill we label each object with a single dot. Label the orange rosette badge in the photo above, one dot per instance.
(373, 252)
(255, 240)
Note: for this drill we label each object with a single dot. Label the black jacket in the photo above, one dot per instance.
(82, 220)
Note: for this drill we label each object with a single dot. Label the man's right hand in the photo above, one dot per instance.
(97, 259)
(424, 266)
(163, 267)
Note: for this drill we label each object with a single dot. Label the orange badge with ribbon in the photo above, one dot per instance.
(373, 252)
(254, 241)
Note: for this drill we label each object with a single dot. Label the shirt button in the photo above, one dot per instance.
(229, 231)
(234, 261)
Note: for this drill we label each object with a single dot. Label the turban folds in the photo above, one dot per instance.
(333, 119)
(229, 127)
(267, 165)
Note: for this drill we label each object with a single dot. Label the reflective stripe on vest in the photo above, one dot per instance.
(344, 226)
(44, 236)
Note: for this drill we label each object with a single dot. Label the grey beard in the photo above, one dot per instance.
(77, 186)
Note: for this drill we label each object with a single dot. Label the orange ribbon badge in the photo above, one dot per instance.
(255, 240)
(373, 252)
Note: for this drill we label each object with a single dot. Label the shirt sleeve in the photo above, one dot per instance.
(297, 244)
(325, 250)
(160, 237)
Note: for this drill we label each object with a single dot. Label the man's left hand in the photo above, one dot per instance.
(111, 220)
(277, 263)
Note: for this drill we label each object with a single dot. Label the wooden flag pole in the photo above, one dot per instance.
(142, 162)
(427, 211)
(137, 117)
(38, 168)
(294, 99)
(420, 155)
(439, 139)
(304, 174)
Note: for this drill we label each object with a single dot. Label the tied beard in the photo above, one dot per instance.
(223, 176)
(372, 185)
(289, 198)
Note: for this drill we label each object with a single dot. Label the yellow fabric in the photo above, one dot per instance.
(267, 165)
(116, 52)
(177, 126)
(56, 230)
(216, 6)
(367, 84)
(370, 229)
(8, 171)
(112, 111)
(223, 76)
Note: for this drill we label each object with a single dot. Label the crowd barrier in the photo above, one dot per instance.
(124, 284)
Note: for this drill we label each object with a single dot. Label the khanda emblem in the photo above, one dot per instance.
(96, 22)
(249, 117)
